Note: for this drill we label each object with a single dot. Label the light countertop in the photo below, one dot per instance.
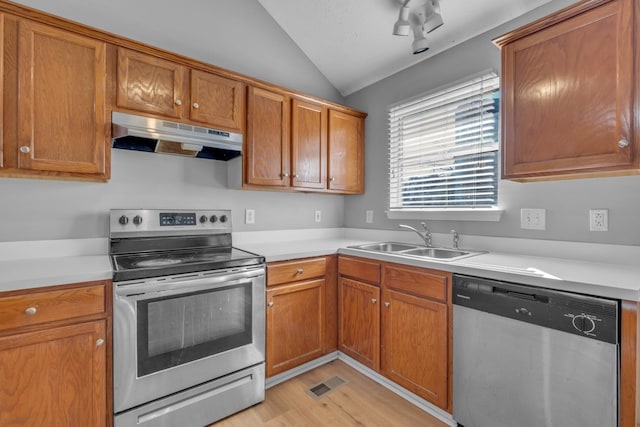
(36, 264)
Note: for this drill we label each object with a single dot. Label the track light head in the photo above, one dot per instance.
(420, 43)
(402, 27)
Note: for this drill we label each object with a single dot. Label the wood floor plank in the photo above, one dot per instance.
(360, 403)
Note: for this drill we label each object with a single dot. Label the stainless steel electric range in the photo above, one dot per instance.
(189, 318)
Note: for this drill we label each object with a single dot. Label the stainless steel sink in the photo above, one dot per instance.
(386, 247)
(415, 251)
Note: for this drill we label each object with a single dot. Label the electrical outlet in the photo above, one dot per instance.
(318, 216)
(249, 216)
(533, 219)
(598, 219)
(368, 217)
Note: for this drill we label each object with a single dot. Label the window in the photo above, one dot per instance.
(444, 148)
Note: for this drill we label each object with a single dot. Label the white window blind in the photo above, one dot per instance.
(443, 148)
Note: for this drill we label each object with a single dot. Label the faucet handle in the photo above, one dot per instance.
(456, 238)
(424, 225)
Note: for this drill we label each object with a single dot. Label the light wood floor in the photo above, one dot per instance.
(362, 402)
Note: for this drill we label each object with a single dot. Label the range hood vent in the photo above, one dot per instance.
(140, 133)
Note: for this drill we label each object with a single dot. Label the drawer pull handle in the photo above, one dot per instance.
(373, 300)
(178, 102)
(99, 342)
(300, 271)
(196, 105)
(25, 149)
(623, 143)
(387, 304)
(270, 303)
(31, 311)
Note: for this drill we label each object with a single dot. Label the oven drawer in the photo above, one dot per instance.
(296, 270)
(47, 306)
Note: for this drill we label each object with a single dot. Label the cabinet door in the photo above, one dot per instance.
(568, 96)
(61, 101)
(268, 158)
(151, 85)
(294, 325)
(359, 321)
(216, 100)
(309, 145)
(54, 377)
(415, 345)
(346, 153)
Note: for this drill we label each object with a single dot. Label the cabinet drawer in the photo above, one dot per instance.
(417, 281)
(293, 271)
(369, 271)
(42, 307)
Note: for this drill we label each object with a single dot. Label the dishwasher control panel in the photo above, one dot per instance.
(589, 316)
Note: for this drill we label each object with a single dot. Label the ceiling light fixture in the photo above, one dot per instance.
(422, 19)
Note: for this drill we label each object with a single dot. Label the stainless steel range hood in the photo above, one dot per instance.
(132, 132)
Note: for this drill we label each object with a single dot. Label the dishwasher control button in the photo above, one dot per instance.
(578, 322)
(588, 325)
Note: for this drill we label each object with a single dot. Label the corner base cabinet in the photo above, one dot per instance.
(54, 356)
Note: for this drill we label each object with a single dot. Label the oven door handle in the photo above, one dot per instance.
(142, 290)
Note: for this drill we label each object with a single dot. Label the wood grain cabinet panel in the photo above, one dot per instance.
(308, 145)
(358, 268)
(295, 325)
(150, 84)
(296, 270)
(217, 101)
(55, 377)
(346, 153)
(568, 95)
(415, 345)
(359, 321)
(61, 102)
(267, 160)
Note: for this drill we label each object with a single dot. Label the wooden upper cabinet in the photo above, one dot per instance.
(267, 160)
(150, 84)
(568, 94)
(308, 145)
(346, 153)
(216, 100)
(61, 102)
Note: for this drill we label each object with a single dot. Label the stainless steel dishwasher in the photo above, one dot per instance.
(532, 357)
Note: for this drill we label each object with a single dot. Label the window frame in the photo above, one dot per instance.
(484, 213)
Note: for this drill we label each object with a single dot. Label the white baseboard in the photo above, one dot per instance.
(410, 397)
(291, 373)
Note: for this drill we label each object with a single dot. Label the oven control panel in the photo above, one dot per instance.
(152, 222)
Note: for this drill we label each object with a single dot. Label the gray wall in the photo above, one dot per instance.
(566, 202)
(238, 35)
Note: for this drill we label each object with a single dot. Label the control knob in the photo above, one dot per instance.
(203, 219)
(123, 220)
(223, 218)
(137, 220)
(583, 323)
(213, 218)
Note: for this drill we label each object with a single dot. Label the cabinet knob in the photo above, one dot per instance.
(387, 304)
(178, 102)
(196, 105)
(300, 271)
(31, 311)
(332, 179)
(270, 303)
(25, 149)
(295, 175)
(623, 143)
(285, 175)
(99, 342)
(373, 300)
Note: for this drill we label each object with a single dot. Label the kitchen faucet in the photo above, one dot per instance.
(426, 236)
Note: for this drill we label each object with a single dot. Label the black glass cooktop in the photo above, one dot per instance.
(129, 266)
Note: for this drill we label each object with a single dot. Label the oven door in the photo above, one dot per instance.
(174, 333)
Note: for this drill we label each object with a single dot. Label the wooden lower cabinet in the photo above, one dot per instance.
(396, 319)
(359, 321)
(54, 377)
(55, 352)
(415, 345)
(294, 325)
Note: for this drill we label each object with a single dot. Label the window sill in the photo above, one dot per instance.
(481, 214)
